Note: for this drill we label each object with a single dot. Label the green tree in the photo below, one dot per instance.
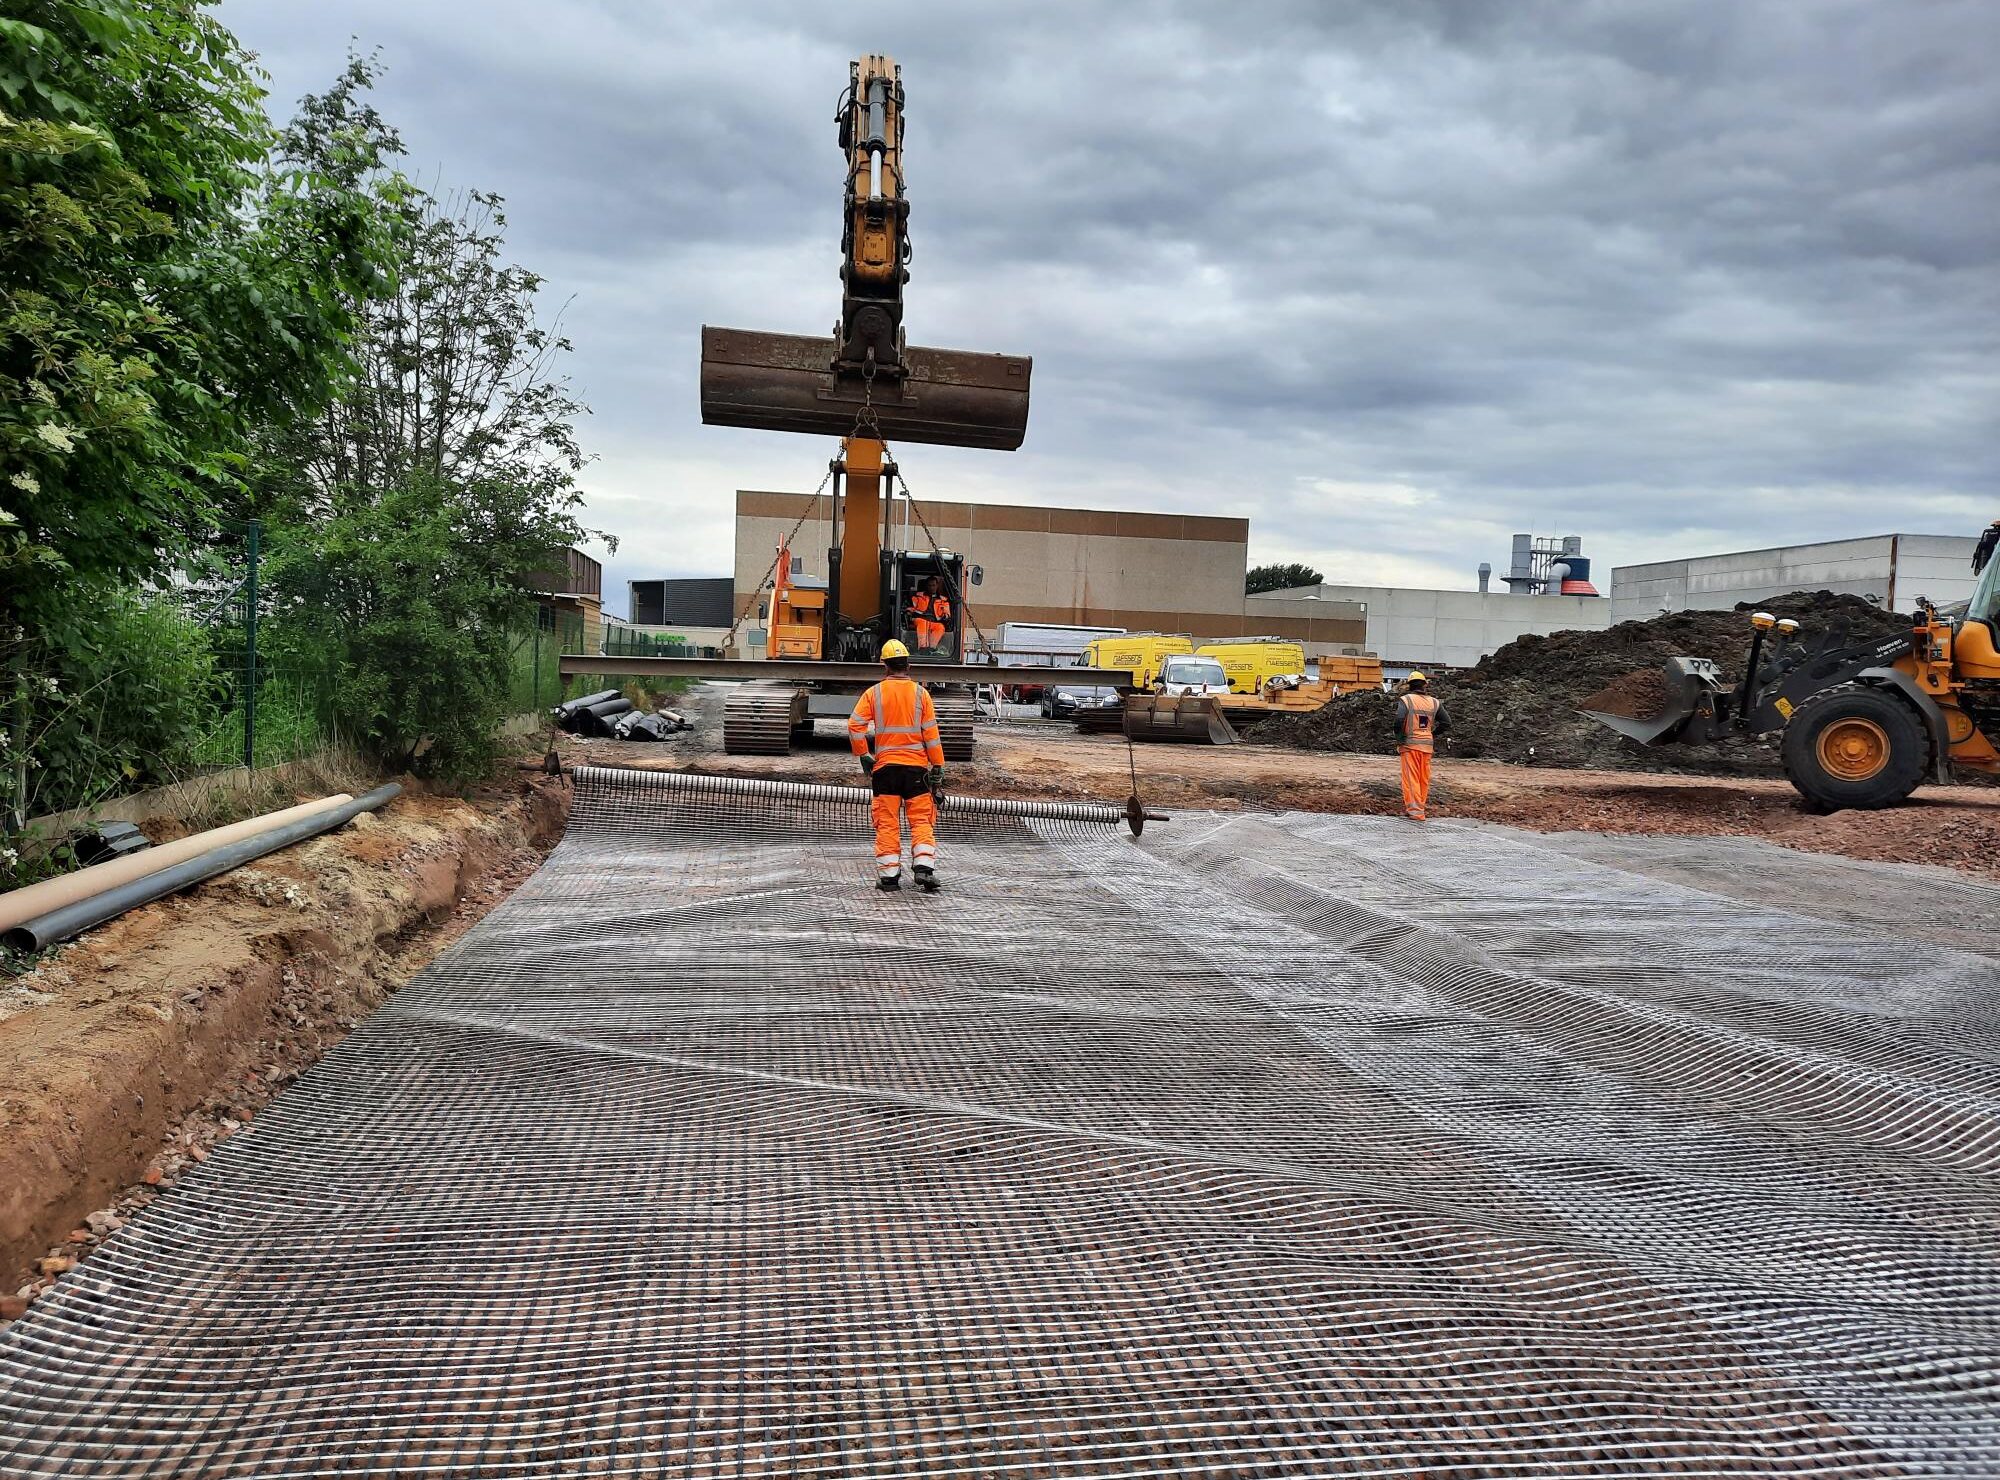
(1279, 577)
(165, 292)
(409, 515)
(169, 294)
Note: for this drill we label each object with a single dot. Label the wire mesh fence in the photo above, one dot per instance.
(147, 687)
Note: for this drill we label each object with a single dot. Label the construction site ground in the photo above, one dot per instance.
(1273, 1142)
(1955, 827)
(555, 1115)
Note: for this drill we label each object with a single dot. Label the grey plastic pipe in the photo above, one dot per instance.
(52, 894)
(72, 919)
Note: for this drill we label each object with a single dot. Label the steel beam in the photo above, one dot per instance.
(803, 670)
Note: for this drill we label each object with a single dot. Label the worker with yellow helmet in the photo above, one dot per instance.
(1420, 719)
(894, 732)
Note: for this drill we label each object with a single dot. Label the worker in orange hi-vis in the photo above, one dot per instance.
(904, 767)
(1420, 719)
(929, 614)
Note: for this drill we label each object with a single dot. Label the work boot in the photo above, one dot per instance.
(927, 879)
(889, 883)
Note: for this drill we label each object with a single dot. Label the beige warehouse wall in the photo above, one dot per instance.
(1176, 572)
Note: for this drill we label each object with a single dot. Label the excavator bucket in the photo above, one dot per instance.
(1189, 717)
(1654, 704)
(786, 383)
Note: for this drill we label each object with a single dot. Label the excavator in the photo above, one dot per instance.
(1864, 724)
(865, 385)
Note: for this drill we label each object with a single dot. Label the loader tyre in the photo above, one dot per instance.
(1855, 746)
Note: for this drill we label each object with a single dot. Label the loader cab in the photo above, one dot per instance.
(924, 595)
(1977, 644)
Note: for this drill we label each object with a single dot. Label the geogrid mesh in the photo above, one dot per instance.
(1263, 1145)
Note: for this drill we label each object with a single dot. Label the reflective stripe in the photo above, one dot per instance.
(903, 720)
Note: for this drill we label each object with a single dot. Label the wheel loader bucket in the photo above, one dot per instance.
(1194, 718)
(1653, 705)
(786, 383)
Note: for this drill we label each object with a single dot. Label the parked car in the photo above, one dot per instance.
(1065, 700)
(1192, 673)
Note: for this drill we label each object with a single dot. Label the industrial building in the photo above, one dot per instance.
(1411, 628)
(1892, 570)
(702, 601)
(1092, 567)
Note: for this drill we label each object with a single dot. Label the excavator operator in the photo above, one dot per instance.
(930, 615)
(905, 769)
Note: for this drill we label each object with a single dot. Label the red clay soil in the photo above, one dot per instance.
(125, 1055)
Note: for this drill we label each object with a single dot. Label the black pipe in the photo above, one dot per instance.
(597, 719)
(583, 701)
(73, 919)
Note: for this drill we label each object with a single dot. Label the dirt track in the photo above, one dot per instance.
(1955, 826)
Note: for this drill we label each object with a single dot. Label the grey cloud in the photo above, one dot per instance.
(1662, 273)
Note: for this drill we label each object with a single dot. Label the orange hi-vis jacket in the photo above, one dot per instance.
(1416, 719)
(899, 715)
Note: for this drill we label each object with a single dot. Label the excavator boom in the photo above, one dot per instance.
(806, 383)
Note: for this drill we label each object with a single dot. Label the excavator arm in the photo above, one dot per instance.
(875, 240)
(864, 375)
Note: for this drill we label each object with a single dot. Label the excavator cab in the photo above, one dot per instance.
(926, 592)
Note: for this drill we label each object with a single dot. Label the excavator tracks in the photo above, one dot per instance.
(954, 717)
(758, 719)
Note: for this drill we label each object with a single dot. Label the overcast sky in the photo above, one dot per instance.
(1393, 278)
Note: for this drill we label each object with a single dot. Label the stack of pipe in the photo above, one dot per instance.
(55, 909)
(591, 714)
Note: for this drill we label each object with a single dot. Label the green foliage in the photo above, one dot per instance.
(165, 294)
(412, 512)
(1279, 577)
(124, 687)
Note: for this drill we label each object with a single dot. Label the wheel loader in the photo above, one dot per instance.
(1863, 723)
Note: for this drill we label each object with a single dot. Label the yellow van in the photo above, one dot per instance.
(1252, 662)
(1140, 652)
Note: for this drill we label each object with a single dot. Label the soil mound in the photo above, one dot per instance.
(1520, 703)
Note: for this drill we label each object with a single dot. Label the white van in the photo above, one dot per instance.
(1192, 673)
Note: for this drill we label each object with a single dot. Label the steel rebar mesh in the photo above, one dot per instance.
(1262, 1145)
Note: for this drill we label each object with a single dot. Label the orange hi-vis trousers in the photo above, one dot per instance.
(887, 812)
(1416, 781)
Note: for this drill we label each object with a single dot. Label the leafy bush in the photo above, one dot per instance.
(118, 693)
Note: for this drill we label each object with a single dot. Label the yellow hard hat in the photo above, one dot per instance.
(894, 649)
(1417, 677)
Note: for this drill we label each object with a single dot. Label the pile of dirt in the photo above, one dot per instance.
(1640, 694)
(1520, 703)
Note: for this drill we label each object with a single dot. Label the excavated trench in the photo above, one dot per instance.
(125, 1056)
(1265, 1144)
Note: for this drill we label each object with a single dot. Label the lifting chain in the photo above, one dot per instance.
(812, 506)
(957, 592)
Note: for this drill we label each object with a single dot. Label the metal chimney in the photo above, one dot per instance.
(1520, 577)
(1485, 576)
